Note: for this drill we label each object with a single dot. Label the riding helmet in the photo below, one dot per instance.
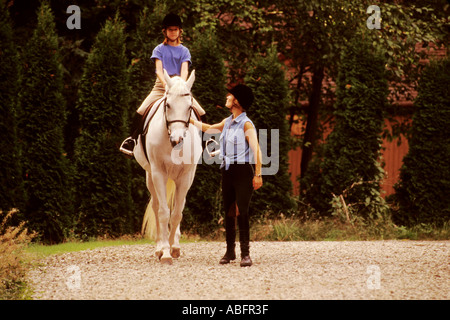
(243, 94)
(171, 20)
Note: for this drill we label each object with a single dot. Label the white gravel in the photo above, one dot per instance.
(282, 270)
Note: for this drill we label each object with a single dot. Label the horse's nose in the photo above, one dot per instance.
(176, 141)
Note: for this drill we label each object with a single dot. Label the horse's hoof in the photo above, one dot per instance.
(175, 253)
(158, 254)
(166, 260)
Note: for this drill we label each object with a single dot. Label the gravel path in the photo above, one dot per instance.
(281, 270)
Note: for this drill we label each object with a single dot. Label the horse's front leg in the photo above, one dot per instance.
(163, 216)
(175, 220)
(176, 216)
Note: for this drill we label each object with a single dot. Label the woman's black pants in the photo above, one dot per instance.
(237, 190)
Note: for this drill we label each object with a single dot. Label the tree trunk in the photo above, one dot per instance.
(310, 137)
(296, 109)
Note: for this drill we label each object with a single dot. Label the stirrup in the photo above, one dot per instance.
(125, 151)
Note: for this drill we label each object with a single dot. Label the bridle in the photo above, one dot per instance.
(186, 122)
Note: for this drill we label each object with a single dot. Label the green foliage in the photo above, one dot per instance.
(41, 121)
(325, 27)
(13, 258)
(350, 161)
(314, 33)
(210, 75)
(142, 69)
(294, 228)
(103, 174)
(142, 78)
(422, 192)
(266, 77)
(11, 192)
(242, 29)
(204, 200)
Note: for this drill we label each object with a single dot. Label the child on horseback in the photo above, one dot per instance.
(175, 58)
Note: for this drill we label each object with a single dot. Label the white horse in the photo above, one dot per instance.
(169, 156)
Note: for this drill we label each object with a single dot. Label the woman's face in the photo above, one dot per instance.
(230, 101)
(172, 33)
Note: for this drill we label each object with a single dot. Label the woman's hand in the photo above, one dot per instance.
(257, 182)
(208, 128)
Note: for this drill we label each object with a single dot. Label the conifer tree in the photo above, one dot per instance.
(266, 77)
(103, 175)
(11, 192)
(41, 121)
(422, 194)
(350, 165)
(142, 70)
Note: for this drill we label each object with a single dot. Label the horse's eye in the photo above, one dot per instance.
(168, 106)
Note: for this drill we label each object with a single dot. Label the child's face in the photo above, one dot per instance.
(172, 33)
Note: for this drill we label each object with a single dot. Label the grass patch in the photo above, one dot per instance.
(45, 250)
(334, 229)
(40, 250)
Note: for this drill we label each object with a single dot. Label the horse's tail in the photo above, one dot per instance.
(170, 194)
(149, 222)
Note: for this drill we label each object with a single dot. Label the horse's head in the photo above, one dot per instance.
(178, 106)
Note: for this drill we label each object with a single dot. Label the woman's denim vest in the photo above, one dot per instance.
(234, 147)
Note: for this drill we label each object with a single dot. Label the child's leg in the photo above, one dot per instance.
(129, 143)
(156, 94)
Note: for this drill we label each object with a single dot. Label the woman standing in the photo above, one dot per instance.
(175, 58)
(241, 169)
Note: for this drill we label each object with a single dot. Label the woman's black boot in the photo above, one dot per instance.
(244, 239)
(246, 261)
(245, 253)
(230, 227)
(229, 255)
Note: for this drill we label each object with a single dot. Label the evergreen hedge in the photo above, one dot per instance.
(48, 174)
(350, 164)
(422, 194)
(204, 199)
(266, 76)
(11, 192)
(103, 178)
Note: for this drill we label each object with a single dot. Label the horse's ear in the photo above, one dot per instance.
(167, 78)
(191, 80)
